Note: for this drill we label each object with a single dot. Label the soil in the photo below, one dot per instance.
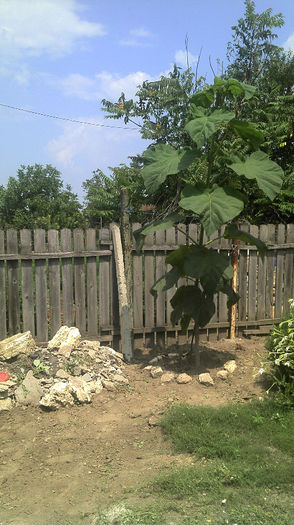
(58, 468)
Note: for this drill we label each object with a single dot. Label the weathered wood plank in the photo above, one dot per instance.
(104, 282)
(243, 280)
(289, 260)
(261, 276)
(252, 278)
(270, 258)
(13, 285)
(137, 285)
(92, 304)
(279, 288)
(80, 289)
(223, 313)
(41, 289)
(54, 283)
(160, 299)
(3, 330)
(149, 320)
(67, 280)
(182, 239)
(171, 334)
(28, 314)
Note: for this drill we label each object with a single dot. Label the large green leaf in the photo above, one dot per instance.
(268, 174)
(249, 91)
(247, 132)
(161, 224)
(232, 232)
(189, 302)
(167, 281)
(214, 205)
(163, 160)
(205, 125)
(204, 98)
(225, 287)
(202, 263)
(235, 87)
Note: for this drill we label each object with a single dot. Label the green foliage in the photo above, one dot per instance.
(215, 201)
(102, 199)
(36, 199)
(40, 368)
(280, 346)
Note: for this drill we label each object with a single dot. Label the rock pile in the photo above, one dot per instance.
(67, 372)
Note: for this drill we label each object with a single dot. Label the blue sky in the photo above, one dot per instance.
(62, 57)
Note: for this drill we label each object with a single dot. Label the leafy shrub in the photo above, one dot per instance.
(280, 346)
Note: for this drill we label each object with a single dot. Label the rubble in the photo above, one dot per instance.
(206, 379)
(230, 366)
(183, 379)
(222, 374)
(66, 372)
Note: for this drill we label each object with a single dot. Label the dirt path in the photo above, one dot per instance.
(57, 468)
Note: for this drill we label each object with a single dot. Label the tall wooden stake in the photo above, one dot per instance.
(234, 286)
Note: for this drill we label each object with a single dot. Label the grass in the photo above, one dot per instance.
(242, 470)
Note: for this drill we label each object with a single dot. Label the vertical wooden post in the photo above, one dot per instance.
(126, 235)
(234, 286)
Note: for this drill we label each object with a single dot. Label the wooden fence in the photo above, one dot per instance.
(52, 278)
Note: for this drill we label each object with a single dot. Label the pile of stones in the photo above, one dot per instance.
(68, 371)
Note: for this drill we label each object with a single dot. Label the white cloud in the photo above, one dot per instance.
(31, 28)
(137, 37)
(289, 44)
(181, 58)
(101, 85)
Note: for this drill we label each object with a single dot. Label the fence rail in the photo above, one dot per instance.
(68, 277)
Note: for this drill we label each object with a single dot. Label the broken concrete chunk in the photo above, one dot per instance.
(17, 344)
(222, 374)
(108, 385)
(230, 366)
(30, 391)
(206, 379)
(183, 379)
(65, 340)
(117, 378)
(156, 371)
(62, 374)
(168, 377)
(6, 404)
(58, 395)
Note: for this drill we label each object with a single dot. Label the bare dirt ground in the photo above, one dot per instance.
(58, 468)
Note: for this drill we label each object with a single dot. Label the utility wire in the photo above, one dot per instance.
(66, 119)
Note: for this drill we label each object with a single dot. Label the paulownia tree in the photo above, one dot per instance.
(229, 150)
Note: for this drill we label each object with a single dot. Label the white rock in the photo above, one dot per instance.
(168, 377)
(230, 366)
(183, 379)
(108, 385)
(65, 340)
(222, 374)
(30, 391)
(117, 378)
(206, 379)
(17, 344)
(58, 395)
(156, 371)
(6, 404)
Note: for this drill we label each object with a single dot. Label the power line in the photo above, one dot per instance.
(66, 119)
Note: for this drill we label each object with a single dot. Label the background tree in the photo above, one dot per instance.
(36, 198)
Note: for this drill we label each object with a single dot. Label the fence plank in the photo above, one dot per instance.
(171, 334)
(104, 281)
(13, 291)
(279, 288)
(160, 299)
(3, 331)
(27, 283)
(148, 297)
(270, 258)
(243, 279)
(181, 238)
(225, 246)
(92, 304)
(67, 280)
(261, 277)
(80, 291)
(41, 288)
(54, 283)
(252, 277)
(289, 259)
(137, 292)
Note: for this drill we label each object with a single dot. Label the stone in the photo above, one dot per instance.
(94, 387)
(16, 345)
(3, 391)
(222, 374)
(108, 385)
(87, 377)
(90, 345)
(58, 395)
(92, 354)
(6, 404)
(65, 340)
(156, 371)
(183, 379)
(168, 377)
(62, 374)
(148, 367)
(230, 366)
(153, 361)
(153, 421)
(206, 379)
(117, 378)
(30, 391)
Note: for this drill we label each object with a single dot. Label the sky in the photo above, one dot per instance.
(62, 57)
